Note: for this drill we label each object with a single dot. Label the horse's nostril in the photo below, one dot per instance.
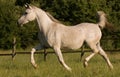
(18, 24)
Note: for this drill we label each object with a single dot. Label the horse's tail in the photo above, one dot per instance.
(103, 20)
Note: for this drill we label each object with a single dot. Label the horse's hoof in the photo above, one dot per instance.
(35, 66)
(111, 67)
(85, 64)
(69, 69)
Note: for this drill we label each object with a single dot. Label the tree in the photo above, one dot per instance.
(70, 12)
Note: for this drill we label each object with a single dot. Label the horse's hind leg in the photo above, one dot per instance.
(95, 51)
(104, 55)
(82, 53)
(60, 58)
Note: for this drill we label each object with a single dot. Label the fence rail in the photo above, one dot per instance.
(45, 53)
(14, 52)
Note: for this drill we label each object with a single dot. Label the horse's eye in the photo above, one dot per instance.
(25, 13)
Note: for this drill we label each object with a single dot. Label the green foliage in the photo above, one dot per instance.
(9, 14)
(70, 12)
(22, 2)
(7, 24)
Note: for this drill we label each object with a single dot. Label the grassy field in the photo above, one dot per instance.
(21, 67)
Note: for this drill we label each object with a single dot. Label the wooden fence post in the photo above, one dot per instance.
(45, 54)
(14, 48)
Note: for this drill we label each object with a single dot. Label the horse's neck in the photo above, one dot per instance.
(102, 21)
(43, 20)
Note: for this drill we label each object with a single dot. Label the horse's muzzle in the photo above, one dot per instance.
(19, 24)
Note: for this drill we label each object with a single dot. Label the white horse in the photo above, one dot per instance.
(57, 36)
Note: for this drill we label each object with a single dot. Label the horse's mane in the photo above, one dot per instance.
(48, 14)
(52, 18)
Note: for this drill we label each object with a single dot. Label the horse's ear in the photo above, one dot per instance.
(27, 6)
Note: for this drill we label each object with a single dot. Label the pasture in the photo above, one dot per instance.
(21, 66)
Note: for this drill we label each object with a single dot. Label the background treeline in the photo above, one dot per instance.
(69, 12)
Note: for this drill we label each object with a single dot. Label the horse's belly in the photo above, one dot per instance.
(71, 45)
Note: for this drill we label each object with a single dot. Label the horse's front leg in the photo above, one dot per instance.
(60, 58)
(38, 47)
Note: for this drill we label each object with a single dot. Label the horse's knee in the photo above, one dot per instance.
(33, 50)
(95, 50)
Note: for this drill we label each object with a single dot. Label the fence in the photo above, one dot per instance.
(14, 52)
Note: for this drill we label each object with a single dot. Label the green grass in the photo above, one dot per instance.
(21, 66)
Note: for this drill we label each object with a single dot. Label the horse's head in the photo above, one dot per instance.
(29, 15)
